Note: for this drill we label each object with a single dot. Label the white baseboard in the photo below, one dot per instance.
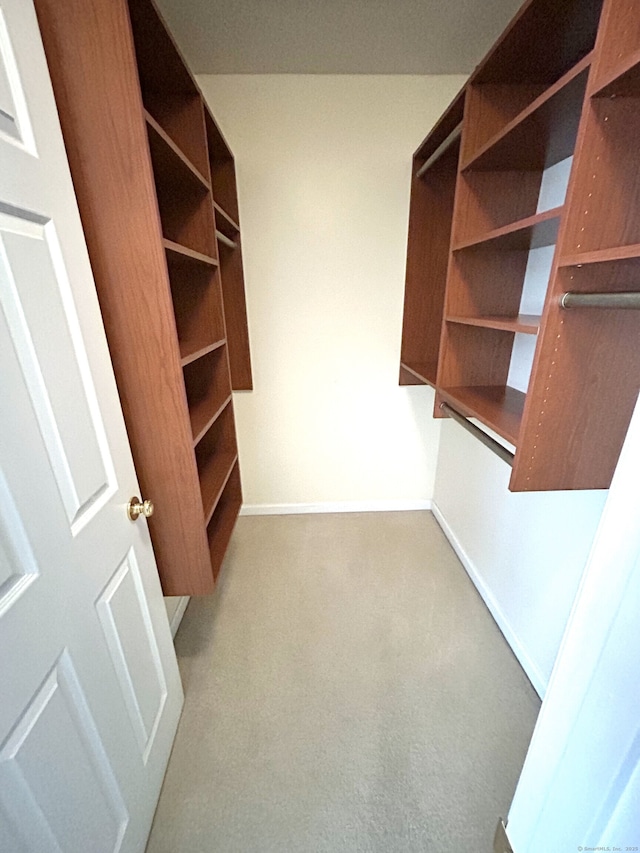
(335, 506)
(176, 619)
(533, 673)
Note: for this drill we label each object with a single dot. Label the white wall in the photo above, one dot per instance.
(526, 552)
(323, 168)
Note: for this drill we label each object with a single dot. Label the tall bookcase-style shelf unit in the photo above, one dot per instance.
(562, 81)
(156, 187)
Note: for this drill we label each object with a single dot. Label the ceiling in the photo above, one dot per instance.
(336, 36)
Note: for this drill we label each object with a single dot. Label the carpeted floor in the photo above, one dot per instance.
(346, 690)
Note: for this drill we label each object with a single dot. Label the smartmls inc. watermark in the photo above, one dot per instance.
(612, 849)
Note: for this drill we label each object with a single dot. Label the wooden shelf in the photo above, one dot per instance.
(222, 168)
(536, 138)
(213, 479)
(432, 198)
(186, 216)
(451, 143)
(185, 253)
(216, 453)
(535, 231)
(164, 149)
(600, 256)
(208, 390)
(197, 303)
(498, 407)
(425, 371)
(222, 522)
(527, 324)
(225, 197)
(543, 40)
(187, 359)
(621, 81)
(205, 414)
(224, 222)
(169, 92)
(442, 131)
(617, 71)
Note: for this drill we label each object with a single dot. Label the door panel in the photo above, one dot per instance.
(61, 390)
(18, 568)
(91, 692)
(78, 806)
(15, 125)
(128, 630)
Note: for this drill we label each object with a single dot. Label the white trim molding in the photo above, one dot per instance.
(335, 506)
(178, 613)
(533, 673)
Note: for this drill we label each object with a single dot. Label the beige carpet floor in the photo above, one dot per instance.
(346, 690)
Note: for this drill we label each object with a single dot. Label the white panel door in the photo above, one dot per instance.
(90, 693)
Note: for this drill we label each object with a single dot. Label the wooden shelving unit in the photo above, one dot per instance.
(221, 525)
(543, 133)
(521, 117)
(497, 406)
(227, 234)
(526, 324)
(532, 232)
(430, 219)
(562, 80)
(155, 181)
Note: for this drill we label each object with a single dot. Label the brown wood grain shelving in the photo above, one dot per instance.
(601, 256)
(148, 163)
(534, 138)
(174, 248)
(205, 414)
(227, 235)
(563, 79)
(532, 232)
(224, 222)
(617, 71)
(432, 197)
(425, 372)
(213, 478)
(499, 407)
(208, 392)
(216, 453)
(527, 324)
(220, 526)
(165, 148)
(199, 353)
(621, 81)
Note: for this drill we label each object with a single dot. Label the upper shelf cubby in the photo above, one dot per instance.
(523, 80)
(540, 135)
(617, 71)
(443, 136)
(223, 172)
(169, 93)
(542, 42)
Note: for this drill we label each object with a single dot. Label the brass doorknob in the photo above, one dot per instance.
(136, 508)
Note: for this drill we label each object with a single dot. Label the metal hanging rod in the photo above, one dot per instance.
(453, 136)
(504, 454)
(226, 240)
(600, 300)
